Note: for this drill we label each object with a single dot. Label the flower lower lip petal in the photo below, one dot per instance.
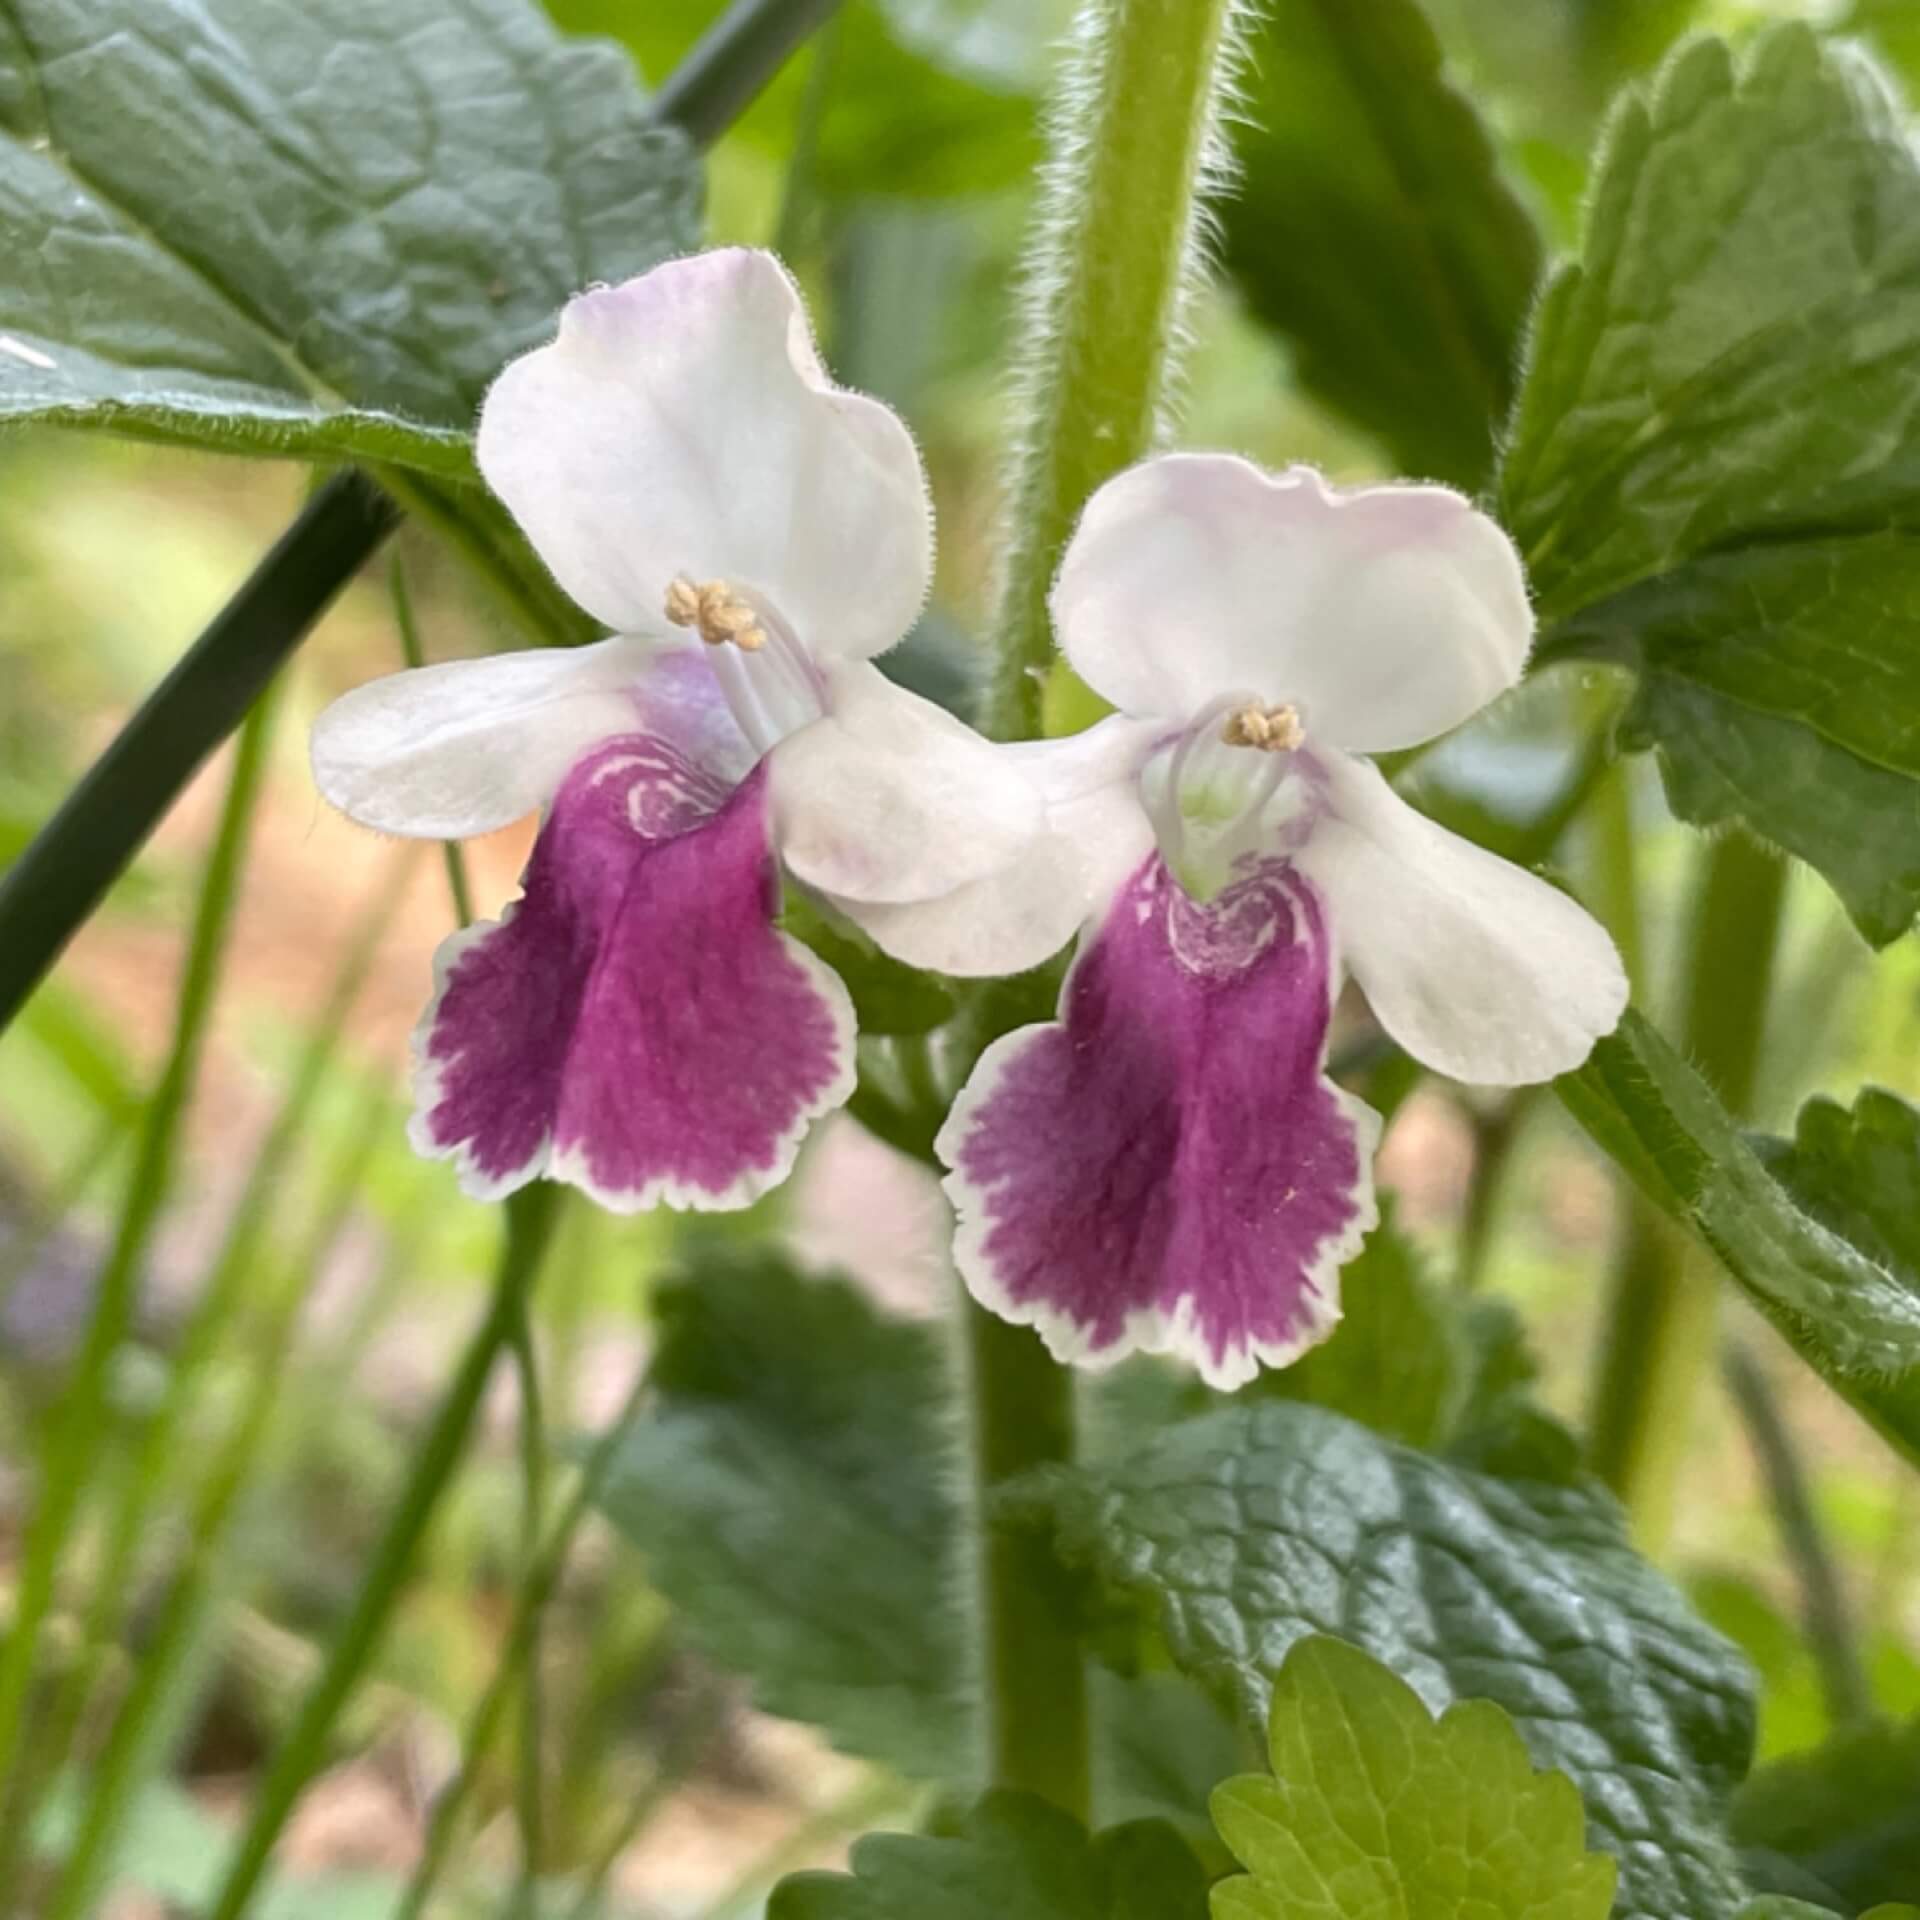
(1166, 1167)
(636, 1025)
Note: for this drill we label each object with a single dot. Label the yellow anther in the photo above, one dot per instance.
(1269, 729)
(716, 612)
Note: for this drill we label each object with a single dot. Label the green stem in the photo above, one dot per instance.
(1662, 1315)
(80, 1427)
(1495, 1136)
(231, 1280)
(723, 75)
(1113, 262)
(1035, 1682)
(529, 1222)
(86, 846)
(537, 1584)
(533, 1499)
(1823, 1599)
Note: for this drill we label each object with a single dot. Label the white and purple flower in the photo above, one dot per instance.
(1166, 1166)
(635, 1023)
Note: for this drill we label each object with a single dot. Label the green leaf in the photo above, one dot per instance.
(1844, 1818)
(1822, 1233)
(1237, 1533)
(1714, 467)
(315, 230)
(1893, 27)
(790, 1495)
(1376, 1811)
(916, 105)
(1771, 1908)
(1374, 230)
(1014, 1858)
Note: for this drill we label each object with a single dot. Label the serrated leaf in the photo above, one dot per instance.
(1844, 1819)
(315, 230)
(1240, 1532)
(789, 1493)
(1714, 468)
(1820, 1233)
(1015, 1858)
(1376, 1811)
(1372, 228)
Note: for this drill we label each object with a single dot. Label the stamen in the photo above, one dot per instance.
(716, 612)
(1269, 729)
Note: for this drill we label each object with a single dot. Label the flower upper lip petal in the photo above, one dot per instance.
(682, 425)
(1387, 615)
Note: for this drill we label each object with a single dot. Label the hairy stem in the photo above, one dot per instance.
(1133, 148)
(1134, 145)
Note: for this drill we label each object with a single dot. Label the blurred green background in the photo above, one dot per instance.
(893, 164)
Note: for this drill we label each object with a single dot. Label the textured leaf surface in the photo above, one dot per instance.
(1241, 1531)
(1014, 1858)
(1373, 229)
(1714, 468)
(316, 228)
(1845, 1818)
(1822, 1233)
(1376, 1811)
(789, 1495)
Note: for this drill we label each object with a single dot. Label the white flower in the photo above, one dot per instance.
(753, 536)
(1167, 1166)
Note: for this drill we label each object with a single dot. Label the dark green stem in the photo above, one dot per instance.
(529, 1223)
(1035, 1681)
(52, 888)
(1829, 1621)
(721, 78)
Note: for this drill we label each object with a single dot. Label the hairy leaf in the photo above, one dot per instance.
(789, 1494)
(1237, 1533)
(1821, 1233)
(1714, 467)
(1014, 1858)
(1376, 1811)
(315, 229)
(1372, 228)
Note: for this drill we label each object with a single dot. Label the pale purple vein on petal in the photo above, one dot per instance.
(1167, 1167)
(635, 1024)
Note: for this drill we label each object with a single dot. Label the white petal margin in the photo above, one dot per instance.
(1150, 1329)
(443, 752)
(888, 797)
(682, 424)
(1481, 970)
(569, 1167)
(1024, 912)
(1386, 615)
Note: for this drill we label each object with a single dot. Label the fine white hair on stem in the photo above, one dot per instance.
(1106, 295)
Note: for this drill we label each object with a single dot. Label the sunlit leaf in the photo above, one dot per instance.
(1376, 1811)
